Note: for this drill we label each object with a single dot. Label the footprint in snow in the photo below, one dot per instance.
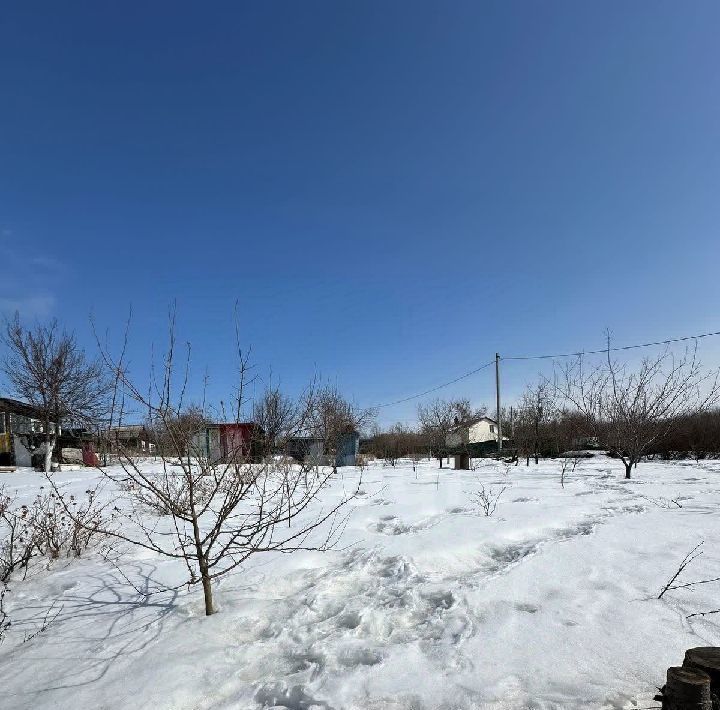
(438, 599)
(294, 698)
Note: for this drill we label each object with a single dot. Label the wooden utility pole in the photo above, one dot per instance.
(497, 400)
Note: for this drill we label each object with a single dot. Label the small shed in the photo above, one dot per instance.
(461, 462)
(227, 443)
(306, 449)
(347, 449)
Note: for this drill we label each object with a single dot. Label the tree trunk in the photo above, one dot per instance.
(706, 659)
(202, 563)
(49, 446)
(686, 688)
(207, 588)
(628, 469)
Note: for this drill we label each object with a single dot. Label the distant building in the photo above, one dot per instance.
(475, 431)
(347, 449)
(313, 449)
(227, 443)
(306, 449)
(132, 439)
(22, 433)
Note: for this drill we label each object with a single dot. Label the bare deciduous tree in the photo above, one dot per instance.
(439, 417)
(332, 418)
(632, 410)
(275, 415)
(537, 407)
(211, 512)
(394, 443)
(46, 368)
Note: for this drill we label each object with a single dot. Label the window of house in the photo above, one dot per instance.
(492, 428)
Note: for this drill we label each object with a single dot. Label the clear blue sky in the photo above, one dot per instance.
(392, 191)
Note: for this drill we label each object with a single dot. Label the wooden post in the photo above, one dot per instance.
(686, 689)
(497, 401)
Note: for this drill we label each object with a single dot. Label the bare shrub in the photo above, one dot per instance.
(486, 499)
(5, 622)
(568, 464)
(43, 528)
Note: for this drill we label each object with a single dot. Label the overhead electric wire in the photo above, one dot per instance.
(604, 350)
(546, 357)
(435, 389)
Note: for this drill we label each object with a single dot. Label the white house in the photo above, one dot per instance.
(473, 432)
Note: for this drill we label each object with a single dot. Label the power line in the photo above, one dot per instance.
(604, 350)
(546, 357)
(435, 389)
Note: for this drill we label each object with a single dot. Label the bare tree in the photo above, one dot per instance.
(394, 443)
(46, 367)
(278, 417)
(631, 411)
(180, 432)
(439, 417)
(210, 512)
(536, 410)
(332, 418)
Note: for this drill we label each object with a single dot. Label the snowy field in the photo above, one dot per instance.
(549, 603)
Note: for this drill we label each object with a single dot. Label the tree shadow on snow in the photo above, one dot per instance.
(97, 625)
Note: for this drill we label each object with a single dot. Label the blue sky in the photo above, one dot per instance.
(392, 192)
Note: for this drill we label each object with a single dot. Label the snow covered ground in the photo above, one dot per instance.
(549, 603)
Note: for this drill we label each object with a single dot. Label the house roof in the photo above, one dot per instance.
(127, 431)
(487, 419)
(15, 406)
(472, 422)
(233, 425)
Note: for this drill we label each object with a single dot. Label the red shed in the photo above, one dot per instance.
(227, 443)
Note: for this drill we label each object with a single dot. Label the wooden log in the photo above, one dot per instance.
(686, 689)
(705, 658)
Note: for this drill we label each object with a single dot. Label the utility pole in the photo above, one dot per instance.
(497, 399)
